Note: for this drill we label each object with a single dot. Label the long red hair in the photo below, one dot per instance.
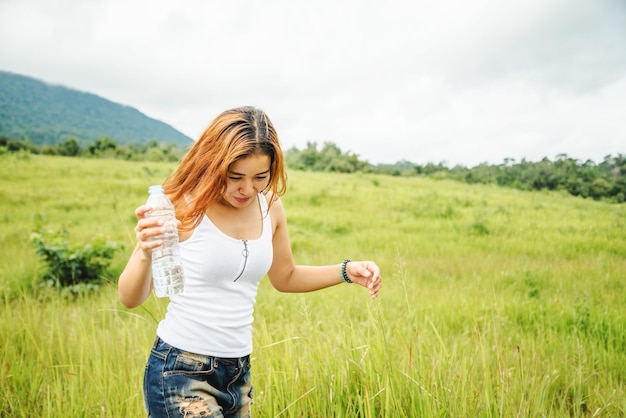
(199, 182)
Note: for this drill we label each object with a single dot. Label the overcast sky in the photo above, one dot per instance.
(455, 81)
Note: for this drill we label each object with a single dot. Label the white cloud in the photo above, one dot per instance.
(456, 81)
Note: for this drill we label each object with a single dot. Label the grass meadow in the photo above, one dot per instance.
(495, 302)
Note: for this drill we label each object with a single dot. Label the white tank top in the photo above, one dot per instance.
(214, 314)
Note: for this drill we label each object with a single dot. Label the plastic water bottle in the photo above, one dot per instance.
(167, 268)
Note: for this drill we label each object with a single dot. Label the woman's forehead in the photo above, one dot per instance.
(254, 164)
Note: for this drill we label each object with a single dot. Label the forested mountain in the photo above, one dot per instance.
(49, 114)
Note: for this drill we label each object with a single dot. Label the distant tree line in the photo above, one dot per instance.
(103, 147)
(328, 158)
(603, 181)
(600, 181)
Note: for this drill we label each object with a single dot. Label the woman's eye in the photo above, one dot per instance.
(261, 177)
(235, 178)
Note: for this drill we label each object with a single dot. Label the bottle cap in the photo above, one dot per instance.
(156, 189)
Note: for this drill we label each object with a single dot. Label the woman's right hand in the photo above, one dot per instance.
(135, 282)
(146, 231)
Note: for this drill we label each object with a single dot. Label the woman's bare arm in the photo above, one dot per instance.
(285, 276)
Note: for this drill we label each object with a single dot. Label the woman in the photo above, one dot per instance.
(233, 231)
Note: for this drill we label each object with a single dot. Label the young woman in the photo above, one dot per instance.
(233, 231)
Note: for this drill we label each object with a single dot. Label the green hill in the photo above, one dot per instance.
(48, 114)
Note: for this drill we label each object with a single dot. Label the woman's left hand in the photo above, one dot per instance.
(365, 273)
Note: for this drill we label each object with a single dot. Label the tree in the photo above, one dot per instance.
(68, 147)
(103, 146)
(329, 158)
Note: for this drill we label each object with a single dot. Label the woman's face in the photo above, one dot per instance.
(246, 178)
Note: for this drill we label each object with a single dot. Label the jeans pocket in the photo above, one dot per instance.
(190, 364)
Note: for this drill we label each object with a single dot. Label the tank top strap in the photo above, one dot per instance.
(263, 204)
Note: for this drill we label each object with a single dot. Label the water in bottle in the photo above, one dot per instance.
(167, 268)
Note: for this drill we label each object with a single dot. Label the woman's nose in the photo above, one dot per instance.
(246, 187)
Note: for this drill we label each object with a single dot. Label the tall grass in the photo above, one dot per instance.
(495, 302)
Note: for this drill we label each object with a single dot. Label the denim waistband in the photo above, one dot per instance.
(158, 342)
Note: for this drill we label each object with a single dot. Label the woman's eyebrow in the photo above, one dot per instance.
(242, 174)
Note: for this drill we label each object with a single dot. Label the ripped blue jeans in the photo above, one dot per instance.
(178, 383)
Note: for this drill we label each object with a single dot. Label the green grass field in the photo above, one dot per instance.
(495, 302)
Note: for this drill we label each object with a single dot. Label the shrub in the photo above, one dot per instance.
(72, 266)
